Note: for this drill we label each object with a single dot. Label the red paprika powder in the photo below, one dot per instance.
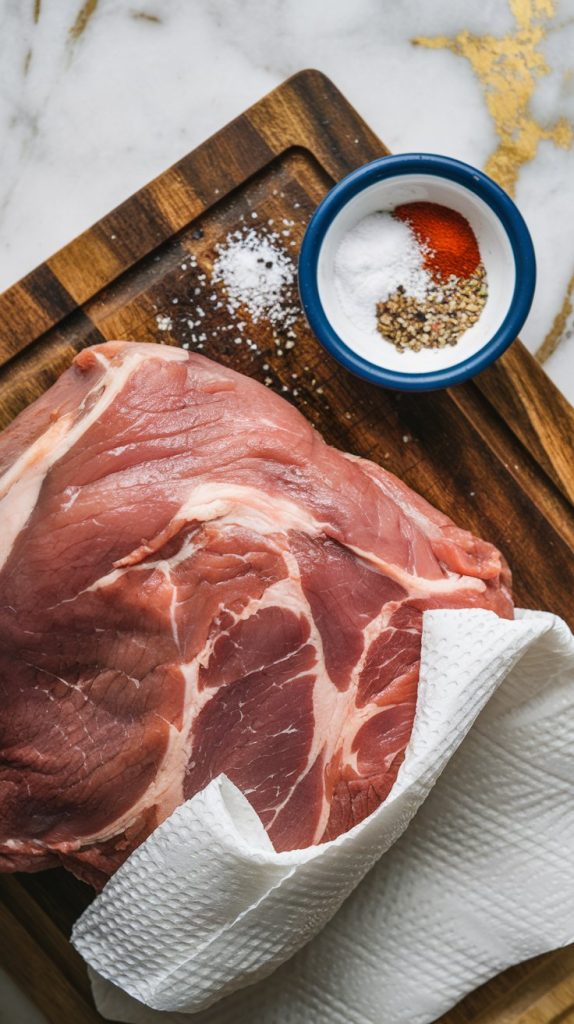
(449, 241)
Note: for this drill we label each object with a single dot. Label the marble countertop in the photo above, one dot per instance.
(99, 96)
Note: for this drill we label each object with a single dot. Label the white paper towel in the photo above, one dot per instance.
(483, 877)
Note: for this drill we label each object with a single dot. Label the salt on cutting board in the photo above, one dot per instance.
(130, 309)
(258, 278)
(258, 275)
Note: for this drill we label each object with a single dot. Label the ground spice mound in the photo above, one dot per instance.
(447, 239)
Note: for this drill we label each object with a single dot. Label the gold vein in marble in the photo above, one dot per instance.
(82, 20)
(145, 16)
(508, 68)
(557, 332)
(37, 10)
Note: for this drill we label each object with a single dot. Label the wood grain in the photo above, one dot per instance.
(540, 991)
(496, 453)
(37, 954)
(517, 387)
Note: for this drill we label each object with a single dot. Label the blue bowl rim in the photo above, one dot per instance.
(438, 166)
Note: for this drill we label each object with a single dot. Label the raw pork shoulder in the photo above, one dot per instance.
(192, 583)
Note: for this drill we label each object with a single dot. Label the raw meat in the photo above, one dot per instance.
(192, 582)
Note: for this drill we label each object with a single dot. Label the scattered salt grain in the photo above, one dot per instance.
(253, 278)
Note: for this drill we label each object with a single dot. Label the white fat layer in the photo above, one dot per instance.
(419, 586)
(167, 791)
(265, 514)
(248, 507)
(361, 715)
(21, 484)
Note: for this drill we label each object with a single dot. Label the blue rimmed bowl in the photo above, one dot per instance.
(506, 249)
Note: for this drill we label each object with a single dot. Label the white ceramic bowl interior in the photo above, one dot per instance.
(495, 250)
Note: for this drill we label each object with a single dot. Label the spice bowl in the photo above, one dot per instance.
(505, 248)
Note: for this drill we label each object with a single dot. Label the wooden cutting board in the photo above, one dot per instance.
(496, 454)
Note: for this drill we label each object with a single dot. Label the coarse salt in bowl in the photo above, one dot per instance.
(505, 247)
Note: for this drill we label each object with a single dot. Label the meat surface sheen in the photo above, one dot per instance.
(192, 582)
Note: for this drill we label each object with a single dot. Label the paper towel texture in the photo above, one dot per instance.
(482, 878)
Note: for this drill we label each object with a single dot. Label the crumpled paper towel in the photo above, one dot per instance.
(483, 877)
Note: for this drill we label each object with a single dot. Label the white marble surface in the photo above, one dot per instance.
(88, 117)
